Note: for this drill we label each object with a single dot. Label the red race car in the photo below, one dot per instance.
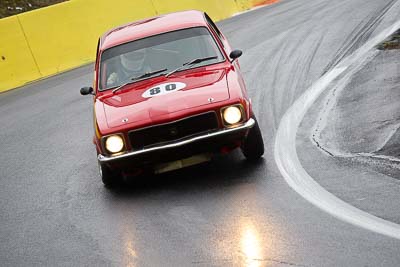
(168, 94)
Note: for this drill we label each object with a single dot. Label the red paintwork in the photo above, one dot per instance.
(223, 82)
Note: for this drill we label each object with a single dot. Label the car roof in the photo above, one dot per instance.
(152, 26)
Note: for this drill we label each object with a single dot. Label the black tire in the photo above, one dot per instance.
(109, 178)
(253, 145)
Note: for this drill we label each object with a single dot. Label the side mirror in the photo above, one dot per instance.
(87, 91)
(235, 54)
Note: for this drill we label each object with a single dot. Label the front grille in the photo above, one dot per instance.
(173, 131)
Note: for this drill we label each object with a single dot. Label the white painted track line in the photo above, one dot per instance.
(288, 162)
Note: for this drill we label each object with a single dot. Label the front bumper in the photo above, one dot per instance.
(205, 142)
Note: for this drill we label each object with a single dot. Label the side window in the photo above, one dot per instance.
(214, 27)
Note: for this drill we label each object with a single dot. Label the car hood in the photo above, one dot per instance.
(134, 103)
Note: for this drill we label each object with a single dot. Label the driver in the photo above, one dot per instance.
(131, 64)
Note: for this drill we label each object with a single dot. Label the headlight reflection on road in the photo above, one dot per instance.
(250, 245)
(130, 255)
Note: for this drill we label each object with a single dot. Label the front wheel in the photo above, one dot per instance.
(253, 146)
(108, 177)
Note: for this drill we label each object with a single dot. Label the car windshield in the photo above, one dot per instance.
(167, 51)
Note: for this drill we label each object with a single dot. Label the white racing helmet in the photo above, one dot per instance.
(134, 60)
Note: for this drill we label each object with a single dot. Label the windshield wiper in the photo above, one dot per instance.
(135, 79)
(190, 63)
(148, 74)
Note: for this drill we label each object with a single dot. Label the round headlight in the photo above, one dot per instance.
(232, 115)
(114, 143)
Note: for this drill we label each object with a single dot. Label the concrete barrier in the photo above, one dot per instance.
(17, 64)
(216, 9)
(54, 39)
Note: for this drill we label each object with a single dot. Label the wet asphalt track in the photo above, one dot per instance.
(55, 211)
